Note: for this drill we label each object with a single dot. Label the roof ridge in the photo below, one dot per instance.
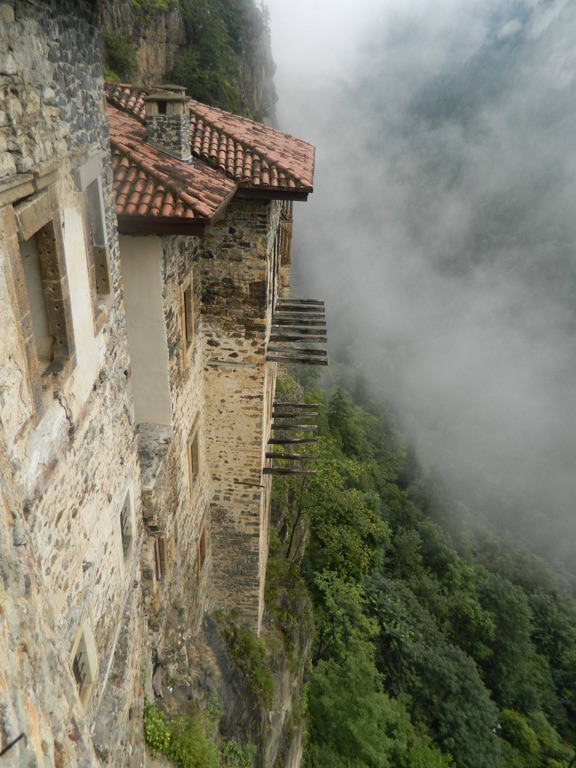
(163, 178)
(245, 143)
(118, 104)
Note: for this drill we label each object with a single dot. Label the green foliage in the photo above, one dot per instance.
(148, 8)
(185, 740)
(236, 756)
(120, 56)
(220, 35)
(249, 654)
(288, 603)
(436, 643)
(156, 733)
(354, 724)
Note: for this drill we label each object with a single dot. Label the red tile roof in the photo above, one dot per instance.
(156, 192)
(260, 159)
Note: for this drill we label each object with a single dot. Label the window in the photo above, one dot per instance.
(88, 181)
(201, 551)
(126, 526)
(193, 457)
(96, 237)
(30, 252)
(42, 294)
(84, 661)
(160, 557)
(187, 312)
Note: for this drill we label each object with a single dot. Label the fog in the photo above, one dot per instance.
(442, 229)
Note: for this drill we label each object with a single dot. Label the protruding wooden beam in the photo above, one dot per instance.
(301, 302)
(286, 471)
(297, 350)
(303, 406)
(296, 427)
(299, 323)
(303, 360)
(287, 336)
(292, 440)
(293, 456)
(292, 414)
(299, 315)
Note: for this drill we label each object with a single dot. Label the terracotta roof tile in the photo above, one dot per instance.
(254, 155)
(147, 182)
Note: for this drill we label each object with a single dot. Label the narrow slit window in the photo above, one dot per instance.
(194, 458)
(160, 557)
(187, 312)
(35, 288)
(96, 237)
(201, 552)
(84, 662)
(126, 527)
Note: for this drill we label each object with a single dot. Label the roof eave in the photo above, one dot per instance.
(272, 193)
(132, 224)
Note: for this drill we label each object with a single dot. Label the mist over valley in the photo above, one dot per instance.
(441, 234)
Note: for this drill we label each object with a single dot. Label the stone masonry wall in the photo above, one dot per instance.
(236, 263)
(174, 503)
(68, 466)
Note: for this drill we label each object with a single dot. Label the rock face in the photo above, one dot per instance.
(158, 38)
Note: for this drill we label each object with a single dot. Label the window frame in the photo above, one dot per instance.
(187, 317)
(84, 647)
(126, 523)
(88, 179)
(201, 551)
(38, 216)
(193, 457)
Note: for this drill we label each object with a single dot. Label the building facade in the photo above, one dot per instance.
(144, 255)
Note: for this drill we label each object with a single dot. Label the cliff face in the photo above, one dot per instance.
(158, 40)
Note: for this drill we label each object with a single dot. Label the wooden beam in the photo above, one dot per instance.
(292, 414)
(304, 406)
(296, 427)
(292, 440)
(297, 315)
(289, 350)
(293, 456)
(303, 360)
(303, 323)
(293, 337)
(286, 471)
(300, 302)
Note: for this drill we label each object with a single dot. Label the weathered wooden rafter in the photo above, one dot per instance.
(298, 350)
(293, 456)
(287, 471)
(289, 359)
(292, 440)
(295, 427)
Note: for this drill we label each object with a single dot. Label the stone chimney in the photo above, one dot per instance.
(168, 121)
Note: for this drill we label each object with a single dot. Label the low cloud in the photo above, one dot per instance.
(442, 231)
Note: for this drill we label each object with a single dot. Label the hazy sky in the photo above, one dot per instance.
(442, 230)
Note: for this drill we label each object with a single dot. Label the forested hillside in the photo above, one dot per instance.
(437, 643)
(218, 49)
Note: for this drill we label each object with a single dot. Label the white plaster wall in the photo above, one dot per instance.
(141, 262)
(89, 348)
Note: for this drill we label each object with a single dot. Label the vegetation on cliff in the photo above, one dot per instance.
(436, 643)
(225, 59)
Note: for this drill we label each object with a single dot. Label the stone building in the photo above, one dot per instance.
(203, 200)
(144, 254)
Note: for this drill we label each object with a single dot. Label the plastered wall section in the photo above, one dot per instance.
(68, 455)
(236, 264)
(175, 496)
